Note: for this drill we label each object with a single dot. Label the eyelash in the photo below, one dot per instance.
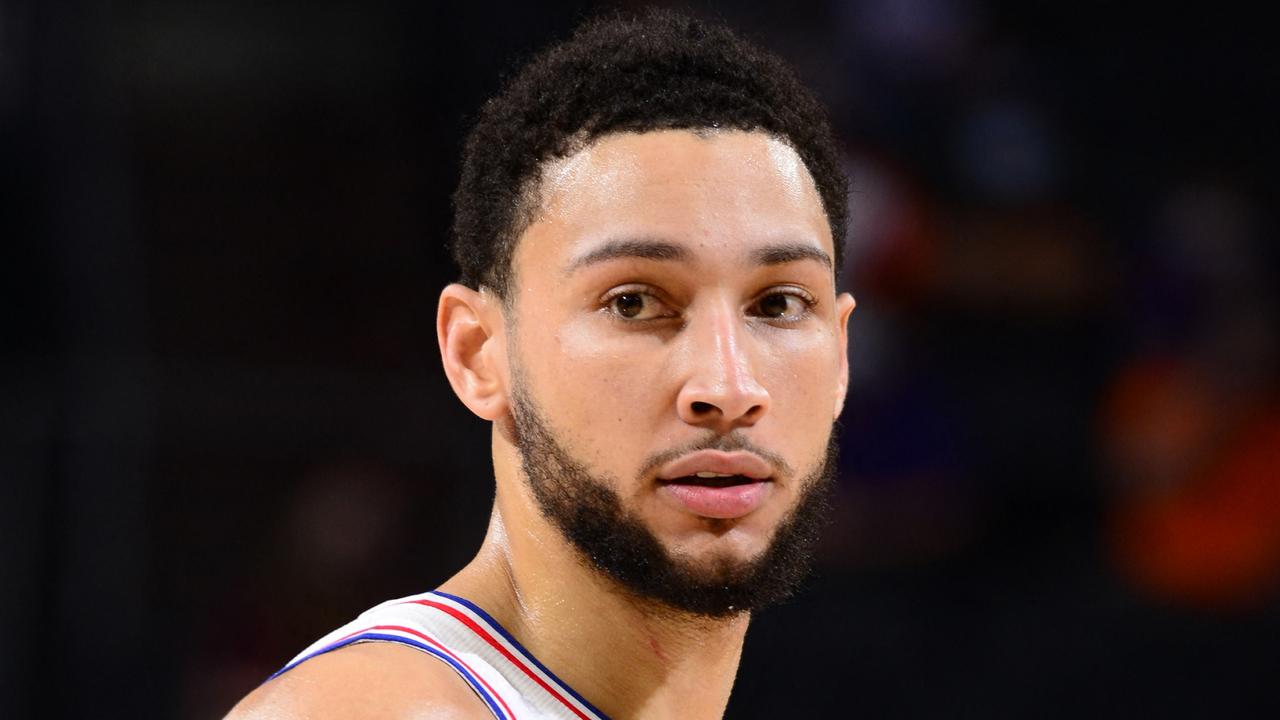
(606, 303)
(805, 298)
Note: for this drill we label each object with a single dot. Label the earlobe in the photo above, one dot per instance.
(469, 328)
(844, 308)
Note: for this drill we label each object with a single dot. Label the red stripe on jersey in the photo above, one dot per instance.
(484, 634)
(444, 649)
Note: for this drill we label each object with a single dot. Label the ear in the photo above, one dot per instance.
(469, 326)
(844, 308)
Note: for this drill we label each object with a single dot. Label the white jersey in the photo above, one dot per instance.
(510, 681)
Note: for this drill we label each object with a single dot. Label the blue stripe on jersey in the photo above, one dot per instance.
(528, 655)
(471, 680)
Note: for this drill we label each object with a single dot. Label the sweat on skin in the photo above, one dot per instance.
(673, 287)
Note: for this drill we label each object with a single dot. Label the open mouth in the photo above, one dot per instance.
(717, 485)
(711, 480)
(717, 495)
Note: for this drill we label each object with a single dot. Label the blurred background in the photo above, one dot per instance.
(226, 431)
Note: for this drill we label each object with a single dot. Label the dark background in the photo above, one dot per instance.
(225, 428)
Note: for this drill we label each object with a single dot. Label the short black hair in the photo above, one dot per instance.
(656, 71)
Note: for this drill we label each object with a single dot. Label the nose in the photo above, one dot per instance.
(721, 391)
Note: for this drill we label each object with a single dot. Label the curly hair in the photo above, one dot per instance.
(656, 71)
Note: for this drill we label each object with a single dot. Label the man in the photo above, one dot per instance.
(648, 223)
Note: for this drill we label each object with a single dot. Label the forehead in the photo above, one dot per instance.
(712, 190)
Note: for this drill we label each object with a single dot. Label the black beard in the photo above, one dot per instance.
(618, 544)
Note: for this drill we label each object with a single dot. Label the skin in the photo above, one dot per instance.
(739, 222)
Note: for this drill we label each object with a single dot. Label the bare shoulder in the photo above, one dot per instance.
(368, 680)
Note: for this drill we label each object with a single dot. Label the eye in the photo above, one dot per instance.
(637, 305)
(629, 305)
(786, 306)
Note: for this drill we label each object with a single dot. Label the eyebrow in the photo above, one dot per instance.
(790, 252)
(650, 249)
(642, 248)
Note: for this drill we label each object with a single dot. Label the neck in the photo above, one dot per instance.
(630, 657)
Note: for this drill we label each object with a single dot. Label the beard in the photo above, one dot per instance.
(618, 544)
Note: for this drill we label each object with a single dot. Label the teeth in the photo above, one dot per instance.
(709, 474)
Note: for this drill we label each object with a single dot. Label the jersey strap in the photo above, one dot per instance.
(513, 684)
(419, 641)
(529, 672)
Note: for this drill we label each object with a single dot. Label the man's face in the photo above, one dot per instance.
(674, 313)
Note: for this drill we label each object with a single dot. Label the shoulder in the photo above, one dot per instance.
(368, 680)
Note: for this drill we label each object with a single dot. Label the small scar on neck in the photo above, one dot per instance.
(657, 649)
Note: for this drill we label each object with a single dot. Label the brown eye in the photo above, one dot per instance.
(629, 305)
(776, 305)
(782, 306)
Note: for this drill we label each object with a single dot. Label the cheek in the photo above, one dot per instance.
(594, 382)
(802, 372)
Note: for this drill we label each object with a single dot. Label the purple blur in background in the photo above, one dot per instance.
(226, 431)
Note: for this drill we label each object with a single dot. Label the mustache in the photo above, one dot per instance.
(725, 443)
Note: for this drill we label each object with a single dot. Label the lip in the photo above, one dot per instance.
(727, 463)
(723, 503)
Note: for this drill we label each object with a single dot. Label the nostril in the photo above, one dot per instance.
(701, 408)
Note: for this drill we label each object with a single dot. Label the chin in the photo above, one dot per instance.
(714, 543)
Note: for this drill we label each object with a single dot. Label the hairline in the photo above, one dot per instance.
(529, 200)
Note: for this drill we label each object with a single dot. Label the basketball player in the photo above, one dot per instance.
(648, 223)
